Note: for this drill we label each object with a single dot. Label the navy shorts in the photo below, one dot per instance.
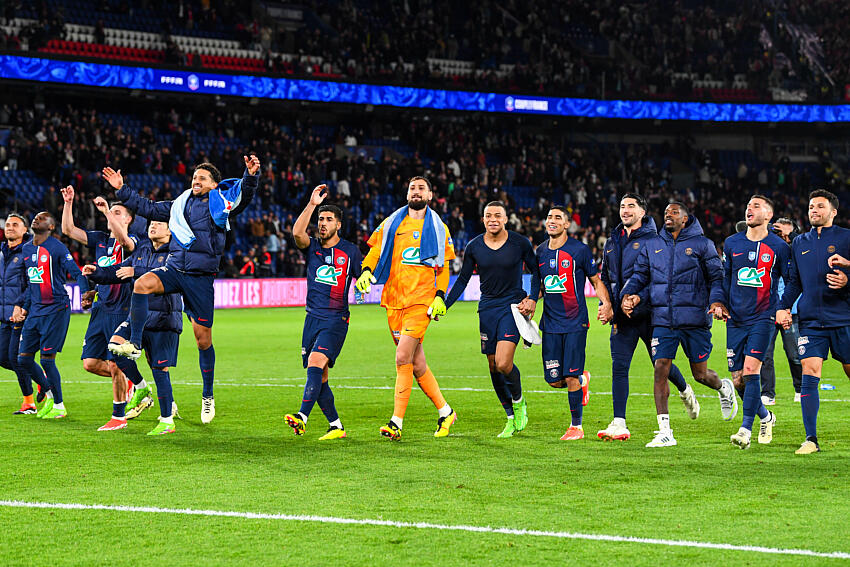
(101, 327)
(160, 346)
(496, 324)
(325, 336)
(814, 342)
(695, 342)
(563, 355)
(197, 291)
(749, 340)
(47, 332)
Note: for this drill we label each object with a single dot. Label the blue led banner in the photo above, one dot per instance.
(147, 78)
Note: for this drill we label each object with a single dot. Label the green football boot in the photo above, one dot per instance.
(45, 409)
(509, 430)
(520, 415)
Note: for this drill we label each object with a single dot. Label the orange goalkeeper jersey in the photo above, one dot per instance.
(410, 282)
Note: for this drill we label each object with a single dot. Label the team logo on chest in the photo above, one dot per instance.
(410, 256)
(328, 275)
(750, 277)
(555, 283)
(565, 263)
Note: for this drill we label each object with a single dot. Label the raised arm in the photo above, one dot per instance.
(117, 228)
(69, 229)
(250, 180)
(151, 210)
(299, 229)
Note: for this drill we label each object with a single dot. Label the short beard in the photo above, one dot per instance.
(417, 205)
(330, 235)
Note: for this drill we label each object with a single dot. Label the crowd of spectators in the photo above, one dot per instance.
(568, 47)
(471, 161)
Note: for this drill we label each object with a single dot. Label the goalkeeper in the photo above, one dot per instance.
(410, 254)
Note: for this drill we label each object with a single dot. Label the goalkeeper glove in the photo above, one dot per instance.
(365, 281)
(438, 307)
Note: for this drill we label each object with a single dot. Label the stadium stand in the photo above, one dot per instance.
(660, 50)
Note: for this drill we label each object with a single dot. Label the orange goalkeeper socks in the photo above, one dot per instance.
(429, 385)
(403, 385)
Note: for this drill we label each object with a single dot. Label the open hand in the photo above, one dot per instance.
(113, 177)
(319, 194)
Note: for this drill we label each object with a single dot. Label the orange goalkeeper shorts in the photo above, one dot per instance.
(411, 321)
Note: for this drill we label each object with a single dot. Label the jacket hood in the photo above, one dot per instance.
(647, 226)
(692, 229)
(5, 246)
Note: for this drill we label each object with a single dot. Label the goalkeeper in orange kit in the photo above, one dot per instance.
(410, 255)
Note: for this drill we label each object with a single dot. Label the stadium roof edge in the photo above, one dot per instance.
(112, 75)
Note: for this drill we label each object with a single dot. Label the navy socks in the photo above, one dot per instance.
(138, 316)
(206, 360)
(810, 402)
(312, 390)
(502, 392)
(163, 391)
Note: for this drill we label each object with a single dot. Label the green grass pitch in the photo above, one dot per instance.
(247, 460)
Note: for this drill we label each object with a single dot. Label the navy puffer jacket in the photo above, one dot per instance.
(13, 276)
(679, 277)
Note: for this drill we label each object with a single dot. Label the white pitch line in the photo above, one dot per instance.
(429, 526)
(559, 392)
